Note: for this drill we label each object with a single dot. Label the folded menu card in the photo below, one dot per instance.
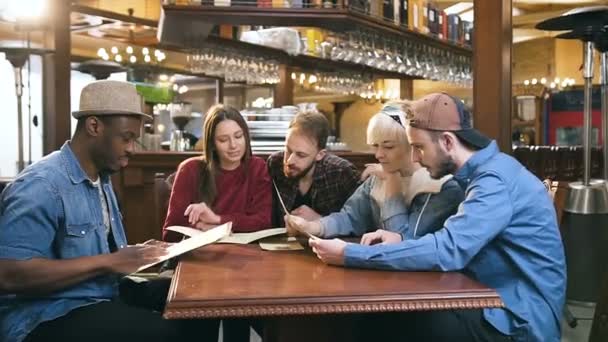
(195, 241)
(237, 238)
(281, 243)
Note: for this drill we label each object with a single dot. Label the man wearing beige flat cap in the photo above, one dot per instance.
(62, 244)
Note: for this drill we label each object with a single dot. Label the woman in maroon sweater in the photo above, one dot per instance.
(230, 185)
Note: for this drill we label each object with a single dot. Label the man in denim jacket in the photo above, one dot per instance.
(62, 243)
(504, 235)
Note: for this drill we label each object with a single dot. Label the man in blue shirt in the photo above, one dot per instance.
(62, 243)
(504, 235)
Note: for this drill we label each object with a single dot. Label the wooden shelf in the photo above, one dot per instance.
(303, 62)
(523, 123)
(335, 19)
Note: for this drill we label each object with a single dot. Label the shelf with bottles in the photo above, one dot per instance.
(423, 22)
(361, 52)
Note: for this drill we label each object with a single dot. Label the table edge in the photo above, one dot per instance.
(189, 310)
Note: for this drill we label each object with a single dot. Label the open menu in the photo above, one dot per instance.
(236, 238)
(195, 241)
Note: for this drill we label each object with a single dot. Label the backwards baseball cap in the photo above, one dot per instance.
(442, 112)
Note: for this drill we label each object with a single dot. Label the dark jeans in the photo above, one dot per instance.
(137, 318)
(436, 326)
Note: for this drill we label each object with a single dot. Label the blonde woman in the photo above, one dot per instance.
(396, 188)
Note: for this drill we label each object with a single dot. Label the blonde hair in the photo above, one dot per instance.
(382, 127)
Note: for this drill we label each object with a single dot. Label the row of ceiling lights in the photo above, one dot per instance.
(556, 83)
(158, 56)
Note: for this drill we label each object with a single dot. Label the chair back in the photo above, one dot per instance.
(162, 193)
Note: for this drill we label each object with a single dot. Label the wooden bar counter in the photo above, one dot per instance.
(138, 196)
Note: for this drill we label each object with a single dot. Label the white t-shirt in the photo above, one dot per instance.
(104, 205)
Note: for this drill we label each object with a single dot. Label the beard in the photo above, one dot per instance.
(299, 175)
(446, 166)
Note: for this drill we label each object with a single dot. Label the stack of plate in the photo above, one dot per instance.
(269, 127)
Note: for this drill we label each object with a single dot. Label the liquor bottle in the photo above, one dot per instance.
(397, 12)
(388, 10)
(359, 6)
(376, 8)
(423, 17)
(403, 12)
(221, 3)
(314, 3)
(226, 31)
(453, 26)
(431, 19)
(468, 33)
(443, 23)
(264, 3)
(329, 3)
(412, 14)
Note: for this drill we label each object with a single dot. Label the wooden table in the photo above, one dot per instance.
(243, 281)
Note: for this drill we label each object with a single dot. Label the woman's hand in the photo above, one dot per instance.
(374, 169)
(200, 212)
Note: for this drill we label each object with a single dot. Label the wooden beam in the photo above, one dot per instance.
(406, 89)
(492, 70)
(56, 81)
(219, 91)
(283, 91)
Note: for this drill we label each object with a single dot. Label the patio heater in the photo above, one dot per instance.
(585, 222)
(17, 56)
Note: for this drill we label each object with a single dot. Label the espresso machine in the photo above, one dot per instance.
(585, 222)
(181, 114)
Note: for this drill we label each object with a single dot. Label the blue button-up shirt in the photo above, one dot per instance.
(53, 211)
(504, 235)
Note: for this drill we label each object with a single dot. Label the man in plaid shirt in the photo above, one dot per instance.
(312, 182)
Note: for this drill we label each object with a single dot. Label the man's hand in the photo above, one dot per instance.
(380, 236)
(127, 260)
(329, 251)
(201, 212)
(306, 212)
(296, 224)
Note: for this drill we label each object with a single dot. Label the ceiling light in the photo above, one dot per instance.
(101, 52)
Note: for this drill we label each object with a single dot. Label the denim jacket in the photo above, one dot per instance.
(504, 235)
(426, 213)
(53, 211)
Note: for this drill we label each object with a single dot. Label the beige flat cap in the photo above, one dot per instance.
(106, 97)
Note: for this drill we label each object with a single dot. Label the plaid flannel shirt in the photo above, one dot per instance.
(334, 180)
